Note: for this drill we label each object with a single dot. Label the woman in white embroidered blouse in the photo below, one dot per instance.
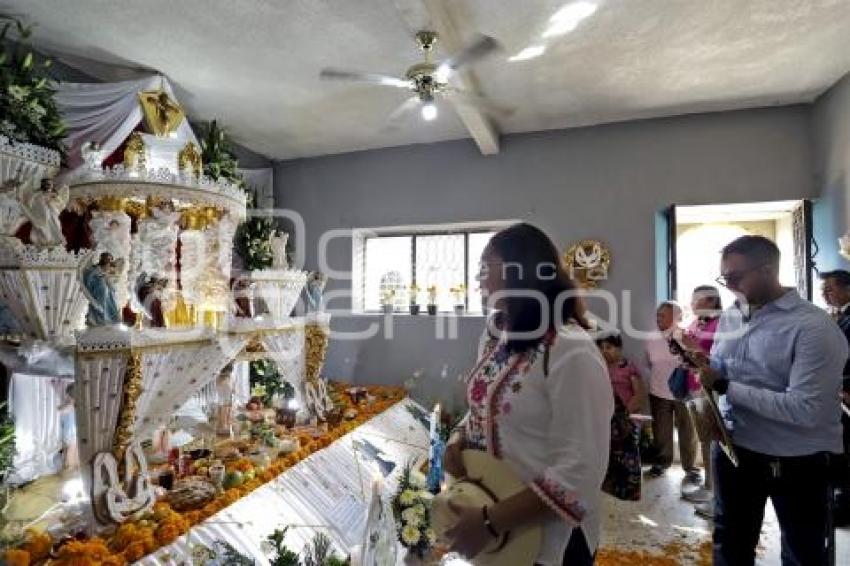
(540, 399)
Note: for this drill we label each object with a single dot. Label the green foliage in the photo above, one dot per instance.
(7, 442)
(280, 554)
(266, 373)
(253, 244)
(319, 552)
(217, 156)
(28, 111)
(221, 553)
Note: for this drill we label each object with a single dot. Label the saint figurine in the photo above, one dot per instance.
(150, 293)
(97, 281)
(224, 392)
(277, 242)
(243, 296)
(42, 207)
(315, 288)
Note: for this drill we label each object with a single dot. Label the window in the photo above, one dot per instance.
(388, 261)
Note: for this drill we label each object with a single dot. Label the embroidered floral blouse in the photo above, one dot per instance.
(554, 428)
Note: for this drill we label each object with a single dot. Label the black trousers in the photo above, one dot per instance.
(798, 487)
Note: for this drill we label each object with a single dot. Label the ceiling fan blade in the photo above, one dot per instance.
(484, 104)
(356, 76)
(394, 119)
(481, 47)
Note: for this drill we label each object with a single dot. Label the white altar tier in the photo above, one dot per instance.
(41, 288)
(328, 492)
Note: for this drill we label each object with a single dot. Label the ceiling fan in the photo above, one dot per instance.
(429, 80)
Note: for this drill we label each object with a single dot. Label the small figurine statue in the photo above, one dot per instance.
(42, 207)
(243, 297)
(224, 392)
(277, 241)
(67, 422)
(91, 154)
(162, 114)
(150, 293)
(189, 160)
(98, 286)
(315, 287)
(134, 153)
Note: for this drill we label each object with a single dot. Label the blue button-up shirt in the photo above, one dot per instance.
(784, 366)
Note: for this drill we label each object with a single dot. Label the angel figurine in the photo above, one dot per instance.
(278, 240)
(42, 207)
(100, 291)
(315, 288)
(92, 155)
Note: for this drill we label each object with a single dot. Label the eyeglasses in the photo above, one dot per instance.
(734, 277)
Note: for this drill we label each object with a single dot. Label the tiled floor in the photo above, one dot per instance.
(661, 517)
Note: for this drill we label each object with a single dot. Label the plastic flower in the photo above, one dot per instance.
(408, 497)
(411, 516)
(410, 535)
(419, 509)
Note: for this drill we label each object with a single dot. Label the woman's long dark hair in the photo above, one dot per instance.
(531, 262)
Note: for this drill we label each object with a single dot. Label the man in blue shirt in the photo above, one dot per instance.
(777, 360)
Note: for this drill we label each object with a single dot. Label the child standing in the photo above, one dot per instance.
(624, 472)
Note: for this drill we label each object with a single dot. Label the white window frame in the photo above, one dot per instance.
(358, 251)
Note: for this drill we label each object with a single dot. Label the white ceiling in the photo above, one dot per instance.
(254, 64)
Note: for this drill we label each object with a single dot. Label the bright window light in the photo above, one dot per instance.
(528, 53)
(429, 111)
(568, 18)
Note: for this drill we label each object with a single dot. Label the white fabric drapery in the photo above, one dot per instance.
(107, 113)
(35, 402)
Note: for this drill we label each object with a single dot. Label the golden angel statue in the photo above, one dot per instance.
(42, 207)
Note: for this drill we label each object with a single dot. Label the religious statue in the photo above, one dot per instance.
(99, 290)
(11, 215)
(162, 115)
(315, 287)
(134, 153)
(92, 155)
(277, 242)
(150, 294)
(189, 160)
(224, 392)
(42, 208)
(243, 297)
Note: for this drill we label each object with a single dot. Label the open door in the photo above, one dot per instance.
(801, 222)
(672, 273)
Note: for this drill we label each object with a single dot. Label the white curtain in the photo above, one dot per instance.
(107, 113)
(35, 402)
(261, 181)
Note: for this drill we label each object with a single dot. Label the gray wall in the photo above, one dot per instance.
(606, 182)
(831, 137)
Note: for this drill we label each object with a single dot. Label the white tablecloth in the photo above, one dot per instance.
(328, 491)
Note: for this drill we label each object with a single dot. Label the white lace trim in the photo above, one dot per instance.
(29, 152)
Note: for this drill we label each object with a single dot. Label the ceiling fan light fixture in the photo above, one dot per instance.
(569, 17)
(429, 111)
(529, 52)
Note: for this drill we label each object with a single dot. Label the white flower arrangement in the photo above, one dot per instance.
(412, 510)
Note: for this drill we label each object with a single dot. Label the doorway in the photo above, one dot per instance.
(697, 234)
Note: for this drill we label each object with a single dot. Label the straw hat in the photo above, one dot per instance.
(489, 480)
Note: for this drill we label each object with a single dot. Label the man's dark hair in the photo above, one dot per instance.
(613, 338)
(840, 276)
(758, 249)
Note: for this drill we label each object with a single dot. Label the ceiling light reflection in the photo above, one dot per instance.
(528, 53)
(569, 17)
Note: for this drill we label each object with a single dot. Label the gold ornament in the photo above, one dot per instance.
(112, 204)
(127, 416)
(189, 159)
(316, 337)
(587, 262)
(162, 115)
(134, 153)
